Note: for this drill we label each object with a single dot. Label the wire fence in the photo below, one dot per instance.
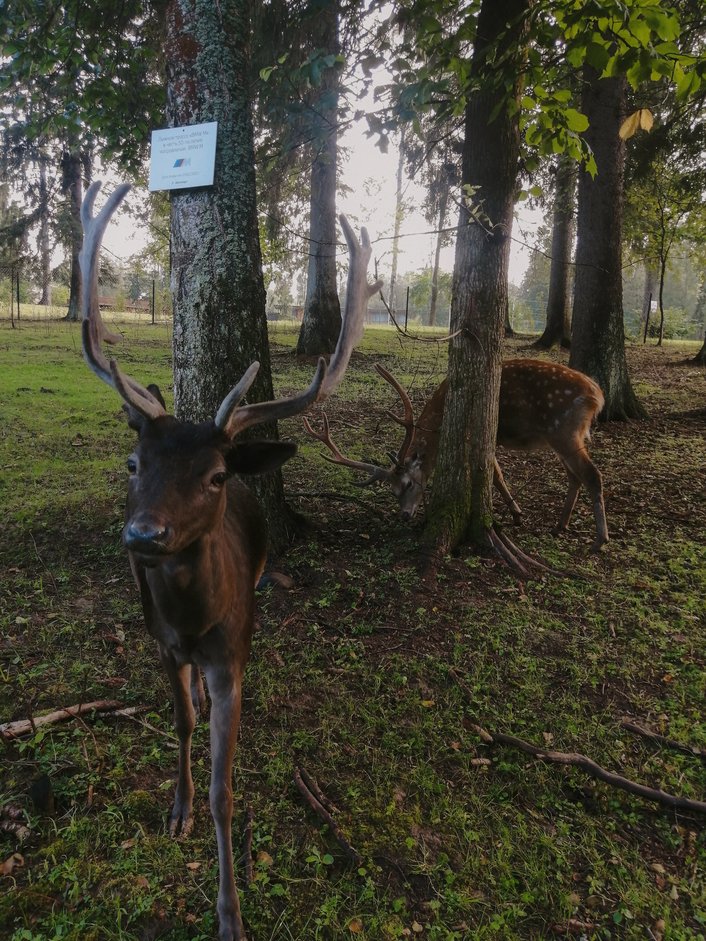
(23, 298)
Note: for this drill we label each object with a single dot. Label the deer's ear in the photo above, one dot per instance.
(258, 457)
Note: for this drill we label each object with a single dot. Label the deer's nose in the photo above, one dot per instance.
(145, 536)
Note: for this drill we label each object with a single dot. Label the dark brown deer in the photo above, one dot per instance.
(542, 404)
(196, 536)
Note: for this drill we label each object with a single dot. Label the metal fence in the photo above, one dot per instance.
(22, 298)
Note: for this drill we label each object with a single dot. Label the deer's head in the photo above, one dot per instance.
(179, 470)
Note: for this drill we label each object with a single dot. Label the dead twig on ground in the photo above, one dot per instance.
(321, 812)
(20, 727)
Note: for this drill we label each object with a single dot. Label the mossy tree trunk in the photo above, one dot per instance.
(558, 325)
(72, 184)
(597, 333)
(220, 326)
(461, 499)
(321, 323)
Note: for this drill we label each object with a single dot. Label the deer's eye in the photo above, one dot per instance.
(131, 465)
(219, 479)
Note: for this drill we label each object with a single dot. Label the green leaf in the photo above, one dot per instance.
(575, 120)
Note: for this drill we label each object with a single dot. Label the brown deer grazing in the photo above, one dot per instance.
(542, 404)
(196, 536)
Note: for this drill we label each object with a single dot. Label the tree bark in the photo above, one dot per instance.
(322, 310)
(43, 240)
(398, 223)
(558, 326)
(700, 357)
(443, 203)
(648, 296)
(73, 184)
(218, 291)
(461, 500)
(598, 334)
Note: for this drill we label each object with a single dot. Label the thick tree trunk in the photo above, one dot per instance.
(700, 311)
(461, 500)
(598, 334)
(218, 292)
(322, 311)
(558, 326)
(72, 182)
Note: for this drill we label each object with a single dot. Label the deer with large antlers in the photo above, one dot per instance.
(542, 404)
(196, 536)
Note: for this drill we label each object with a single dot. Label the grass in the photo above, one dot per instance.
(367, 675)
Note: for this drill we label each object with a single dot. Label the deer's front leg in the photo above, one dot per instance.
(224, 686)
(180, 819)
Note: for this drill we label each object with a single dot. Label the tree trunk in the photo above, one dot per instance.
(72, 184)
(700, 311)
(648, 296)
(43, 240)
(443, 203)
(321, 323)
(398, 224)
(218, 291)
(558, 326)
(461, 500)
(598, 334)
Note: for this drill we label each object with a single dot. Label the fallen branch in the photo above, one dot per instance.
(314, 788)
(596, 771)
(20, 727)
(663, 740)
(321, 812)
(247, 846)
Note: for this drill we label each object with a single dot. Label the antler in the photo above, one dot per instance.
(376, 472)
(93, 329)
(407, 421)
(232, 419)
(358, 293)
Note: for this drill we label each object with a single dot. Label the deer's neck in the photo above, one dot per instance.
(428, 429)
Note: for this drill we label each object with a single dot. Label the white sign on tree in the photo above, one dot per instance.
(183, 157)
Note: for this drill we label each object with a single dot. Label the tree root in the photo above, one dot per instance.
(663, 740)
(523, 565)
(594, 770)
(320, 810)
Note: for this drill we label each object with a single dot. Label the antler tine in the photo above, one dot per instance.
(93, 329)
(407, 421)
(241, 418)
(235, 396)
(376, 472)
(358, 293)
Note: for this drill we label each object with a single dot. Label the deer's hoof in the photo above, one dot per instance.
(181, 822)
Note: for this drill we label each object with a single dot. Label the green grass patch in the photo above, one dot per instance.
(366, 674)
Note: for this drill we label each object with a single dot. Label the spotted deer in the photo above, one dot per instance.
(542, 404)
(196, 538)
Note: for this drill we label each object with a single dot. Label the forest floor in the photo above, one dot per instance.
(368, 675)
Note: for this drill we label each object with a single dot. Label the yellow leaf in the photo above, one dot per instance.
(264, 857)
(630, 125)
(428, 703)
(193, 866)
(646, 119)
(355, 925)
